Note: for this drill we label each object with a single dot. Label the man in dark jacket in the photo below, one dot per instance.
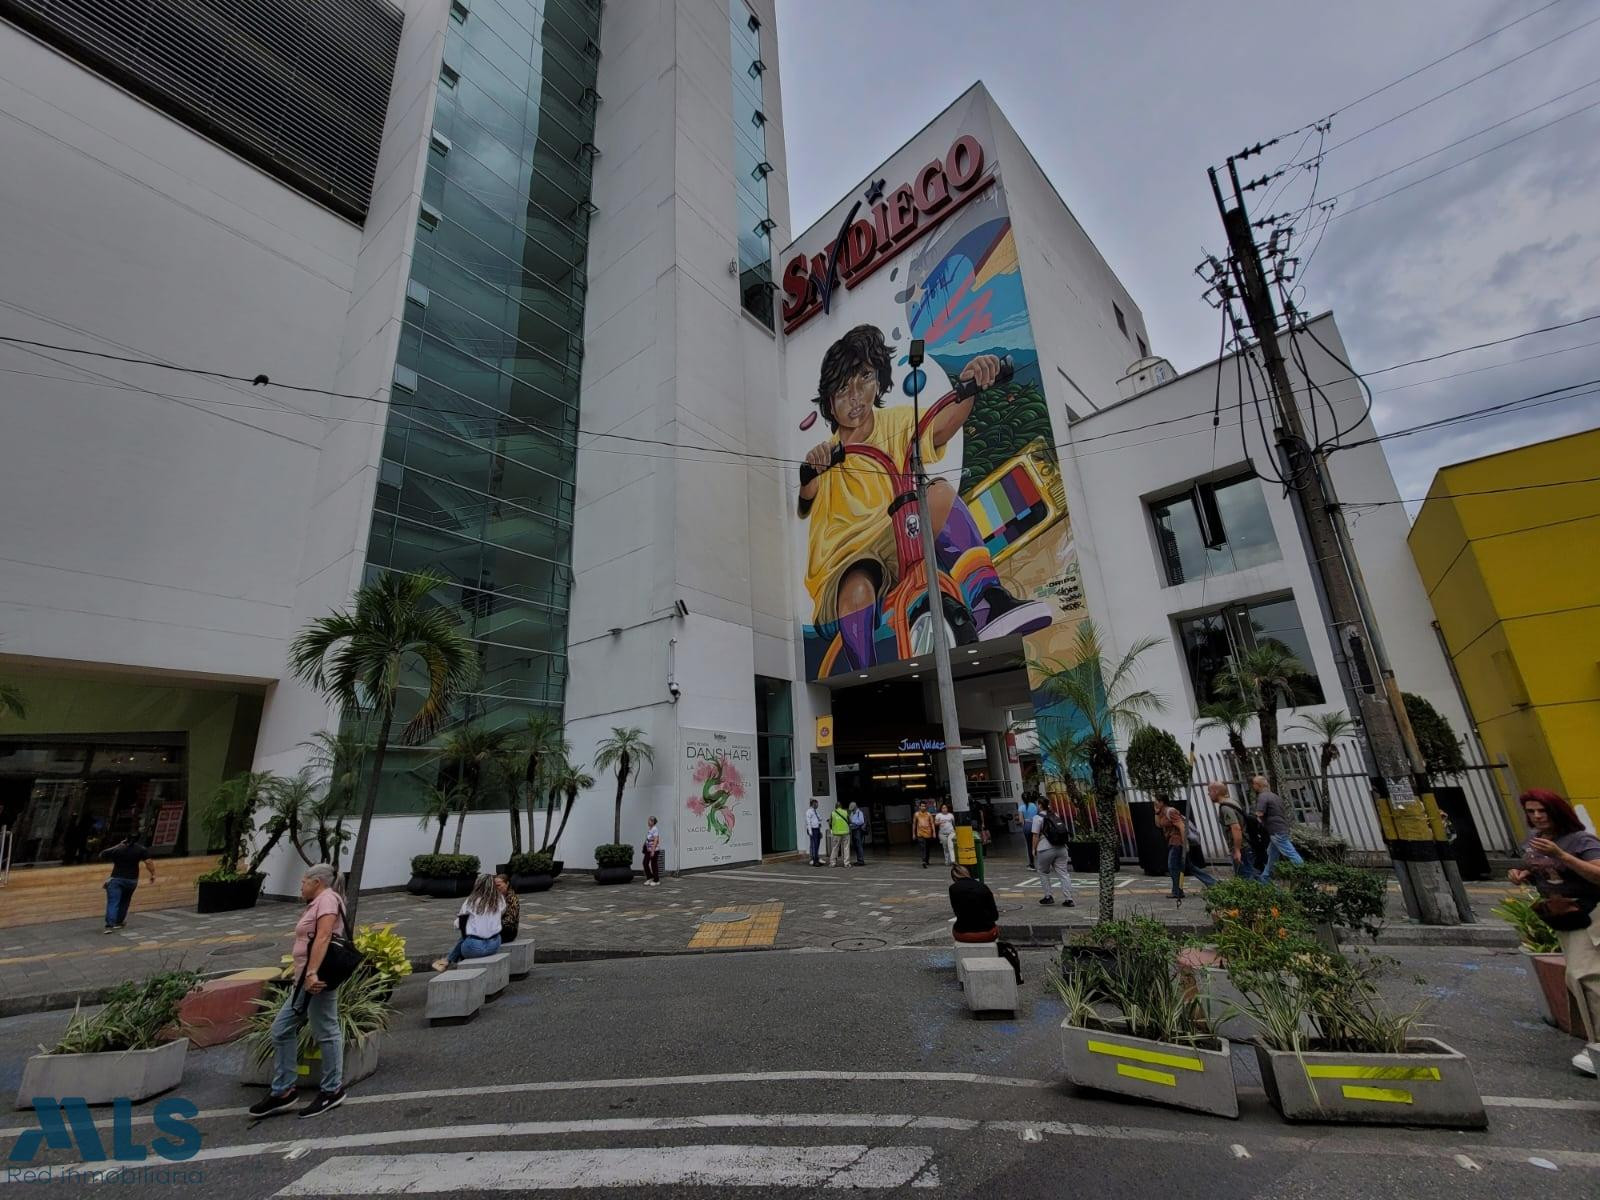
(124, 858)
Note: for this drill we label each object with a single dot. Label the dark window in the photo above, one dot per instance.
(1144, 351)
(1122, 321)
(1211, 640)
(775, 755)
(1214, 528)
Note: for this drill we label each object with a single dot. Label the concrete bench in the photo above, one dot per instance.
(454, 996)
(967, 952)
(521, 952)
(991, 986)
(496, 970)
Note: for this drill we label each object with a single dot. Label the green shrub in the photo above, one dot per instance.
(385, 952)
(223, 875)
(1516, 910)
(1337, 895)
(1157, 763)
(1437, 741)
(364, 1010)
(1134, 988)
(539, 863)
(1260, 928)
(613, 854)
(134, 1016)
(1317, 845)
(444, 866)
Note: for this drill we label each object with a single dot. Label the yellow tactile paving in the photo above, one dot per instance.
(758, 928)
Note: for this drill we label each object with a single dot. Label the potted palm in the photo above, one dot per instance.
(531, 872)
(1132, 1028)
(230, 821)
(116, 1053)
(443, 876)
(621, 751)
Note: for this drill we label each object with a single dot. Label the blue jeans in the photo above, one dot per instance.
(322, 1010)
(1178, 865)
(475, 947)
(1246, 867)
(119, 892)
(858, 846)
(1279, 847)
(816, 847)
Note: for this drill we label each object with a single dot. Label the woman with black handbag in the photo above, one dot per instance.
(1563, 862)
(313, 999)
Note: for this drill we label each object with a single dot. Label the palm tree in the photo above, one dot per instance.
(623, 749)
(475, 752)
(437, 805)
(1101, 702)
(1328, 728)
(356, 658)
(1232, 715)
(230, 819)
(541, 738)
(338, 756)
(568, 780)
(1264, 677)
(11, 701)
(289, 801)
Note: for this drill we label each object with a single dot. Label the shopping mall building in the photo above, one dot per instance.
(528, 266)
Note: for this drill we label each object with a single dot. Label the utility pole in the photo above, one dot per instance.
(1400, 785)
(955, 766)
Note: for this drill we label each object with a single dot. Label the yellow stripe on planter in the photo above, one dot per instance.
(1147, 1075)
(1387, 1095)
(1181, 1061)
(1336, 1072)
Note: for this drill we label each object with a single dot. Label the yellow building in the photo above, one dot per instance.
(1514, 578)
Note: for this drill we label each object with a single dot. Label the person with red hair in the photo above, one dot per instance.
(1563, 863)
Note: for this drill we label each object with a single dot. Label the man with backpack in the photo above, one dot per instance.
(1051, 835)
(1242, 831)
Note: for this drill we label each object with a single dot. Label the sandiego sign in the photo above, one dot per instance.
(916, 207)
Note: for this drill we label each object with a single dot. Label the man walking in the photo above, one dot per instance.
(1234, 833)
(814, 832)
(1269, 807)
(124, 858)
(1026, 813)
(1051, 833)
(858, 834)
(1176, 826)
(923, 830)
(839, 831)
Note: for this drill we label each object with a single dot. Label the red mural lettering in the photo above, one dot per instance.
(860, 247)
(932, 188)
(902, 213)
(796, 286)
(964, 163)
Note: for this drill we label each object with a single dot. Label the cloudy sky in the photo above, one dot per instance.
(1126, 102)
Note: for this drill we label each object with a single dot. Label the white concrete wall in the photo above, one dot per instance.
(1118, 462)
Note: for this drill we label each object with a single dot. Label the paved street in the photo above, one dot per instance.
(803, 1071)
(891, 902)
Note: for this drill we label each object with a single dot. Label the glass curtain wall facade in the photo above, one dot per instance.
(750, 165)
(775, 754)
(476, 481)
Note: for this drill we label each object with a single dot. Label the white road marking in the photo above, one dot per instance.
(1466, 1163)
(1239, 1151)
(1030, 1134)
(650, 1166)
(1545, 1163)
(1542, 1102)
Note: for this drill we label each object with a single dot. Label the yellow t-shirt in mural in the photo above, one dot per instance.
(849, 516)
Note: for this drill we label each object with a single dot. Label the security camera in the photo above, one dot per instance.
(674, 691)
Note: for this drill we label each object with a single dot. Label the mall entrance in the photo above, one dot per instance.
(65, 799)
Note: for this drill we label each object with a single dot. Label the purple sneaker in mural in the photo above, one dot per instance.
(1000, 614)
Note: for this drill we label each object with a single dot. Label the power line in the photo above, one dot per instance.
(1498, 491)
(1537, 400)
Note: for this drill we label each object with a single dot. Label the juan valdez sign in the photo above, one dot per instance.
(898, 217)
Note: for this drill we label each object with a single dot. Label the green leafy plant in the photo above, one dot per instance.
(444, 866)
(1157, 763)
(1260, 928)
(540, 863)
(12, 701)
(1516, 910)
(385, 952)
(230, 819)
(134, 1016)
(623, 749)
(1441, 752)
(1334, 894)
(1318, 845)
(1327, 728)
(616, 854)
(1264, 677)
(1327, 1003)
(543, 740)
(363, 1006)
(1232, 715)
(1134, 987)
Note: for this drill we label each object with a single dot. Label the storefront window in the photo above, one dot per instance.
(1211, 640)
(1214, 528)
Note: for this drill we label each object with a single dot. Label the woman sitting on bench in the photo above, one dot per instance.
(479, 923)
(977, 918)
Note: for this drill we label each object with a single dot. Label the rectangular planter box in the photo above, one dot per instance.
(1430, 1085)
(102, 1078)
(1180, 1076)
(1551, 972)
(360, 1060)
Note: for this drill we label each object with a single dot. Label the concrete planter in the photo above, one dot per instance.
(1181, 1076)
(1551, 972)
(360, 1060)
(102, 1078)
(1430, 1084)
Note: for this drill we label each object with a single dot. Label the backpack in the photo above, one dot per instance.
(1255, 833)
(1055, 829)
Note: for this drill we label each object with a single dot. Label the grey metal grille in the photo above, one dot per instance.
(297, 87)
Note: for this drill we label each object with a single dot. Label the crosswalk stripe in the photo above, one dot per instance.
(874, 1167)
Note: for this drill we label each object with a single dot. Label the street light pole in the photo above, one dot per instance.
(955, 767)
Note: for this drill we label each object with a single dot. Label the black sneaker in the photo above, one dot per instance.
(270, 1104)
(1069, 902)
(1005, 615)
(323, 1102)
(1048, 900)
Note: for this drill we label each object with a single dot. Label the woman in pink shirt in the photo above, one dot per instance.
(310, 999)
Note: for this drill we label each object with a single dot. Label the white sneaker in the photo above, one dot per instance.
(1584, 1061)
